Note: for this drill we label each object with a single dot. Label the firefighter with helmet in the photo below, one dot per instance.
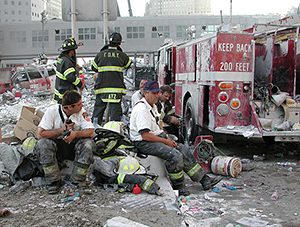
(67, 77)
(109, 85)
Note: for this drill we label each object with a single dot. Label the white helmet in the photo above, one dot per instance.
(116, 126)
(130, 165)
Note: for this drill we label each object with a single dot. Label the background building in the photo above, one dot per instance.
(140, 34)
(20, 11)
(178, 7)
(53, 8)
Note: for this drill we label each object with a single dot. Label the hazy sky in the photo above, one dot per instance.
(238, 6)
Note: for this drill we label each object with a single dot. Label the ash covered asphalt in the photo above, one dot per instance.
(268, 195)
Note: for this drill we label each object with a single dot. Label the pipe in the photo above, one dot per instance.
(73, 20)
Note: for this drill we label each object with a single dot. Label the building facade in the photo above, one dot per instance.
(178, 7)
(53, 8)
(140, 34)
(20, 11)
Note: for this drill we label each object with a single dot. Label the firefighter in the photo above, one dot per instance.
(67, 77)
(149, 139)
(64, 134)
(109, 85)
(138, 94)
(170, 121)
(123, 170)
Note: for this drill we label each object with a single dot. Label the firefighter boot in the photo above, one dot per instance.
(79, 173)
(52, 178)
(208, 182)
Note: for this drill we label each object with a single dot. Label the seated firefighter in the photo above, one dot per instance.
(113, 166)
(149, 139)
(170, 121)
(64, 134)
(138, 94)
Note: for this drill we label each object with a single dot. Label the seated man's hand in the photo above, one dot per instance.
(69, 138)
(170, 143)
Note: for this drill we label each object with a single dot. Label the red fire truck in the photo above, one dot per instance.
(214, 83)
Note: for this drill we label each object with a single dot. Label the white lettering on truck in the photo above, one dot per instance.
(242, 67)
(238, 48)
(242, 47)
(225, 47)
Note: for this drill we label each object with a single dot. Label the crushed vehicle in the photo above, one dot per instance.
(5, 84)
(215, 81)
(39, 79)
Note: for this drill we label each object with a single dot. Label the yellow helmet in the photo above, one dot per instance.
(130, 165)
(29, 143)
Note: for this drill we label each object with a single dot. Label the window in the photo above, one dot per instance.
(135, 32)
(38, 37)
(62, 35)
(18, 38)
(12, 3)
(5, 2)
(181, 31)
(1, 36)
(19, 3)
(160, 31)
(86, 33)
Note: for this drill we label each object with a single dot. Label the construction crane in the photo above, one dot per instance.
(129, 8)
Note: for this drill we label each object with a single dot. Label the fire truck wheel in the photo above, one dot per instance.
(189, 129)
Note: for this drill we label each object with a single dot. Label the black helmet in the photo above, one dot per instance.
(68, 44)
(115, 38)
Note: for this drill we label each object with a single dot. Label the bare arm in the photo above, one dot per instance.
(49, 134)
(147, 136)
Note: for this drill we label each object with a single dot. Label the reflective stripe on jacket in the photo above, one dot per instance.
(109, 64)
(66, 76)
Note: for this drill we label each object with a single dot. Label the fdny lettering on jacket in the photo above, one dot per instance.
(111, 54)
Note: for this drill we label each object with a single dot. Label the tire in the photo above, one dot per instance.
(189, 128)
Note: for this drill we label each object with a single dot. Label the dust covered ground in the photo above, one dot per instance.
(251, 204)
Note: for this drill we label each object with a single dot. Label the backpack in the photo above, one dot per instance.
(28, 168)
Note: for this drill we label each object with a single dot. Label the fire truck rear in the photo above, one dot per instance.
(213, 78)
(213, 83)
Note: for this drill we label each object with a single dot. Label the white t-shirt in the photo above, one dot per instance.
(141, 118)
(137, 96)
(52, 120)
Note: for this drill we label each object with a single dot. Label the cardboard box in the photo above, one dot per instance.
(28, 122)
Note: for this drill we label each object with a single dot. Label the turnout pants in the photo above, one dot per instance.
(115, 110)
(177, 160)
(52, 152)
(105, 173)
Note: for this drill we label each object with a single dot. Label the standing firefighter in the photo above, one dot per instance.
(66, 71)
(149, 139)
(109, 85)
(64, 134)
